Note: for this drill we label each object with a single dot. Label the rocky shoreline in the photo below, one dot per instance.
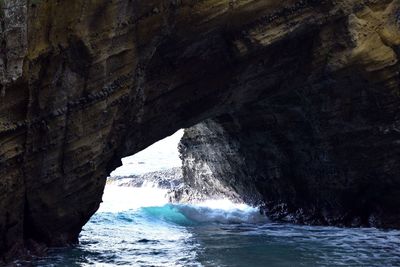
(292, 103)
(165, 179)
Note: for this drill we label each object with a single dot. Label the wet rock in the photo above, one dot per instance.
(166, 179)
(304, 96)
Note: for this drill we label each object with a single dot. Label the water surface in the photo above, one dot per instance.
(137, 227)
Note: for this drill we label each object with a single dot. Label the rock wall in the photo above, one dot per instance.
(166, 179)
(279, 160)
(87, 82)
(213, 166)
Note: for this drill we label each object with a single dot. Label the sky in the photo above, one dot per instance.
(159, 156)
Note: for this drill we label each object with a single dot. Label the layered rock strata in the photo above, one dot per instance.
(308, 88)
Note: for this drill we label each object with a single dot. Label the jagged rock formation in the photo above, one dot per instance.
(166, 179)
(269, 165)
(213, 166)
(310, 87)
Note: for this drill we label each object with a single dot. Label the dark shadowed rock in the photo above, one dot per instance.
(302, 95)
(293, 174)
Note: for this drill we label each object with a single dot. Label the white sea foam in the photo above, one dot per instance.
(137, 226)
(119, 199)
(221, 211)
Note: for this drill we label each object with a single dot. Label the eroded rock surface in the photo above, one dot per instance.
(166, 179)
(309, 90)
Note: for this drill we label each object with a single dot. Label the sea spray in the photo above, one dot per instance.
(138, 227)
(153, 201)
(119, 199)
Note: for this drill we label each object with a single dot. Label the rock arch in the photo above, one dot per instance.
(304, 95)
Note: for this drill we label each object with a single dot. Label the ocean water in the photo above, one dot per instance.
(138, 227)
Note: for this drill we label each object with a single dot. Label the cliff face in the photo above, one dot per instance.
(214, 166)
(308, 90)
(297, 173)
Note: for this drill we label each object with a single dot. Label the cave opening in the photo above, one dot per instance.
(140, 220)
(138, 225)
(298, 111)
(145, 178)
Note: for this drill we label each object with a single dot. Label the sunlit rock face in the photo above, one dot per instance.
(308, 90)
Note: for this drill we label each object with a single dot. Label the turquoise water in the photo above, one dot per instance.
(137, 227)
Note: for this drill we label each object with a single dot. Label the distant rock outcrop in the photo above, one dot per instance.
(166, 179)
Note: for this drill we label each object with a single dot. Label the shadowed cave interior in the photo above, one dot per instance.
(292, 105)
(139, 222)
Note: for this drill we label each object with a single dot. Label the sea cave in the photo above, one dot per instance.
(289, 107)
